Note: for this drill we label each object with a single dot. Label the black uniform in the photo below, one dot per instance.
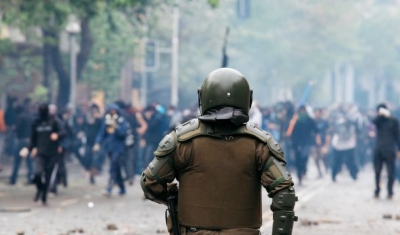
(47, 149)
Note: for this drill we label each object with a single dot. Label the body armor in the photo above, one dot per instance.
(209, 197)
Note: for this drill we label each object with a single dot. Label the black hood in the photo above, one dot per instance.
(43, 112)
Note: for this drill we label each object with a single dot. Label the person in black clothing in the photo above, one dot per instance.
(321, 150)
(23, 133)
(152, 136)
(60, 169)
(387, 138)
(92, 126)
(71, 141)
(46, 132)
(131, 149)
(303, 137)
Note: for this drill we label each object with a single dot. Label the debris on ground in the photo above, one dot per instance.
(387, 216)
(111, 227)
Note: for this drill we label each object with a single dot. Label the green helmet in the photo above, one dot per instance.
(225, 87)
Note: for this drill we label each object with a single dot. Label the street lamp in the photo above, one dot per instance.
(72, 28)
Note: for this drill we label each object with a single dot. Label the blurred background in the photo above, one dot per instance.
(124, 49)
(338, 59)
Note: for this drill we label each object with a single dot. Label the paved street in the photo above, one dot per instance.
(325, 208)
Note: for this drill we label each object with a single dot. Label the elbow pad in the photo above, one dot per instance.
(277, 169)
(152, 178)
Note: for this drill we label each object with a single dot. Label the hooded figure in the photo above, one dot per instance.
(387, 139)
(112, 136)
(304, 135)
(45, 144)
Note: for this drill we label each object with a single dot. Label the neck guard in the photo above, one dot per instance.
(225, 115)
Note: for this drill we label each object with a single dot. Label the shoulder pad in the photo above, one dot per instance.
(167, 145)
(188, 130)
(257, 132)
(265, 137)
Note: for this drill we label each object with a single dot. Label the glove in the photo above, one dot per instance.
(96, 148)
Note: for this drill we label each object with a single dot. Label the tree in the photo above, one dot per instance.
(51, 17)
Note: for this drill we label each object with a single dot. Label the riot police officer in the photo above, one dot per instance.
(220, 161)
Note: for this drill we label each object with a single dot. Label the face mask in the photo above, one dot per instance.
(44, 112)
(303, 116)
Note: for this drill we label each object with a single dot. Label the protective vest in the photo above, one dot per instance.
(221, 187)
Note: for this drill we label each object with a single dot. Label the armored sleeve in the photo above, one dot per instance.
(160, 171)
(278, 182)
(274, 174)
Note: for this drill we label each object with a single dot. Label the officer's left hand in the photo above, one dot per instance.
(54, 136)
(172, 188)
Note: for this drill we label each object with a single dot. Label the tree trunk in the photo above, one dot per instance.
(86, 47)
(59, 67)
(46, 54)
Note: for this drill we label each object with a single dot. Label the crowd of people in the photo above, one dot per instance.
(47, 138)
(334, 137)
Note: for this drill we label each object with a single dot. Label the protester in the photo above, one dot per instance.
(387, 139)
(112, 136)
(45, 148)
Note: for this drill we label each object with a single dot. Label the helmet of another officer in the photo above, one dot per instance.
(225, 87)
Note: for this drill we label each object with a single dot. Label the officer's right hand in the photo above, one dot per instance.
(24, 152)
(96, 148)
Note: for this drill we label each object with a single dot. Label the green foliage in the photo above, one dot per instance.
(287, 43)
(213, 3)
(114, 46)
(6, 46)
(39, 94)
(282, 43)
(18, 75)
